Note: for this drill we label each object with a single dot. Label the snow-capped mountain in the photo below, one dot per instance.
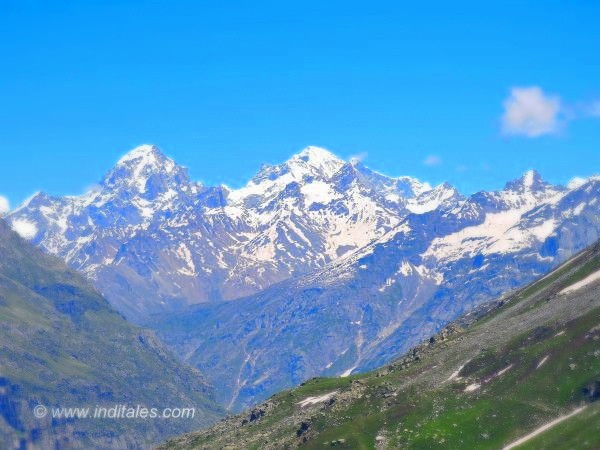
(362, 310)
(333, 267)
(153, 240)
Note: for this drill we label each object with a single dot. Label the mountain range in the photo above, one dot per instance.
(317, 266)
(148, 230)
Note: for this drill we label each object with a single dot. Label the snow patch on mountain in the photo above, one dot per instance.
(189, 268)
(26, 229)
(318, 192)
(433, 199)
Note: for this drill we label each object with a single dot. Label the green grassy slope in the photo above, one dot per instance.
(485, 381)
(61, 345)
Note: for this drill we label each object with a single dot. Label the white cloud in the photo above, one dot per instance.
(4, 205)
(432, 160)
(530, 112)
(359, 157)
(26, 229)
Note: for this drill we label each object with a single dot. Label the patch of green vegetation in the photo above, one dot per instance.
(582, 272)
(544, 282)
(320, 385)
(503, 408)
(569, 278)
(581, 432)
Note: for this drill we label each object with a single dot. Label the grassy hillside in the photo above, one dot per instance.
(61, 345)
(485, 381)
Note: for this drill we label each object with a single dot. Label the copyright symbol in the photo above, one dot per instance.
(40, 411)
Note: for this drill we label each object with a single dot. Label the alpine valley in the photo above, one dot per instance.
(317, 266)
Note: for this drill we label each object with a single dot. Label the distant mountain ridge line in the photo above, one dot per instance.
(139, 152)
(215, 243)
(152, 188)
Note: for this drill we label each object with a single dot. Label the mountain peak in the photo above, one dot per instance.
(144, 169)
(529, 181)
(316, 153)
(444, 191)
(531, 177)
(145, 154)
(318, 159)
(577, 182)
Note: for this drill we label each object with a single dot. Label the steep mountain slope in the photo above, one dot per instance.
(360, 311)
(153, 240)
(528, 362)
(63, 346)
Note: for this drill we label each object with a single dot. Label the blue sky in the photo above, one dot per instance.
(482, 93)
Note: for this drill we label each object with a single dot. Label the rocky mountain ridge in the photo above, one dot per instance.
(149, 230)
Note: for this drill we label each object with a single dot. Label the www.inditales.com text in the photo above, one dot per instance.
(113, 412)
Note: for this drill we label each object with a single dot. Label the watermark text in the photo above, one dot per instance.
(119, 411)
